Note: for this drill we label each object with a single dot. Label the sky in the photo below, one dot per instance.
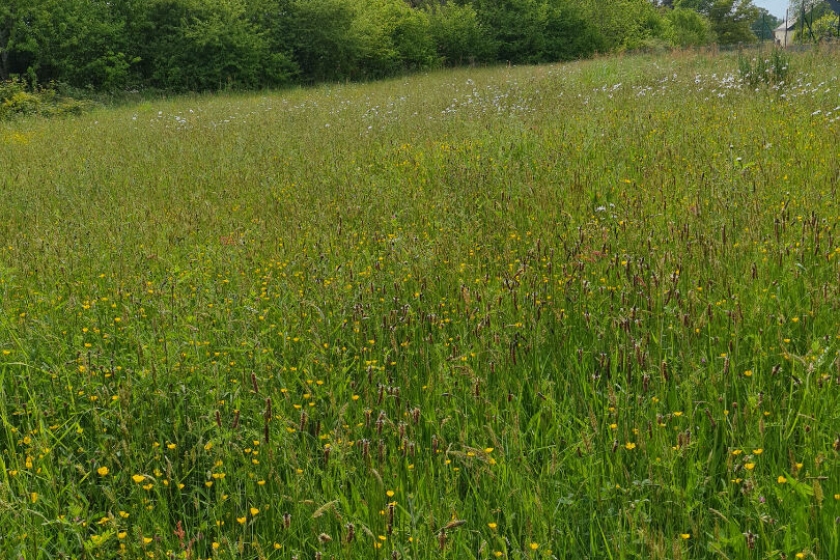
(775, 7)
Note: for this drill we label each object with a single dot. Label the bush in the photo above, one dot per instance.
(458, 35)
(207, 45)
(687, 28)
(394, 38)
(17, 99)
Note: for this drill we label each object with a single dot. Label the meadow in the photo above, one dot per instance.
(588, 310)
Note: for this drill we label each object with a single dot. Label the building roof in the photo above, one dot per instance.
(788, 25)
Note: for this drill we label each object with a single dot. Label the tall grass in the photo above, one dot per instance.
(586, 310)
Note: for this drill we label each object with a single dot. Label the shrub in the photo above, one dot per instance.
(687, 28)
(459, 36)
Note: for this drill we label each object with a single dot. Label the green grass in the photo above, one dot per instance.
(587, 310)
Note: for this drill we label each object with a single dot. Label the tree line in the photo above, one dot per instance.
(199, 45)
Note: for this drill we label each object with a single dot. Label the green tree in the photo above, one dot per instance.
(531, 31)
(322, 37)
(395, 38)
(458, 34)
(731, 20)
(688, 28)
(625, 24)
(764, 24)
(826, 27)
(205, 45)
(77, 41)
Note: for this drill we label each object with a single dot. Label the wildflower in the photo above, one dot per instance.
(749, 466)
(102, 471)
(492, 525)
(781, 480)
(685, 536)
(138, 478)
(534, 546)
(629, 446)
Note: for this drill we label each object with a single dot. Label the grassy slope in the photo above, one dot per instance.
(590, 309)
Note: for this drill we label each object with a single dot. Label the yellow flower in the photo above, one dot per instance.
(147, 540)
(629, 446)
(758, 451)
(102, 471)
(390, 493)
(241, 520)
(749, 466)
(781, 479)
(138, 478)
(254, 511)
(215, 546)
(121, 535)
(748, 373)
(492, 525)
(534, 546)
(685, 536)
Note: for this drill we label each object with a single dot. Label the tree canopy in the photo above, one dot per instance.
(180, 45)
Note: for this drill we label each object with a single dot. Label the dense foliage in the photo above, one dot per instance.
(199, 45)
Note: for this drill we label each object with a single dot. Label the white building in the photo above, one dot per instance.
(785, 32)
